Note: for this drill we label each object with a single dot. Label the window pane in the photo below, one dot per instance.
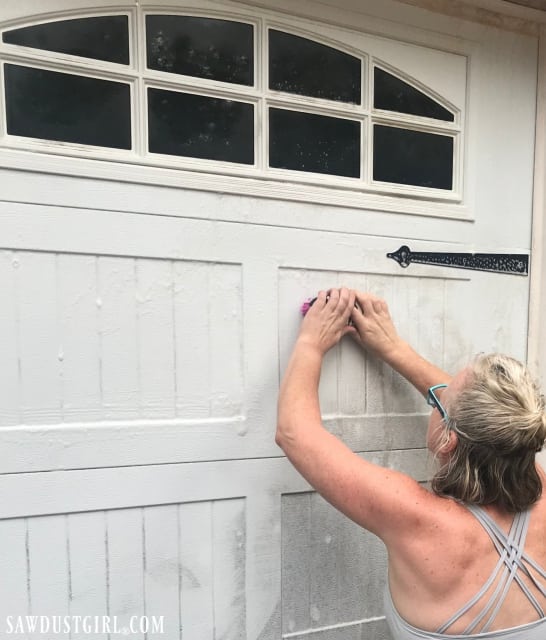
(64, 107)
(412, 157)
(298, 65)
(104, 38)
(393, 94)
(320, 144)
(183, 124)
(201, 47)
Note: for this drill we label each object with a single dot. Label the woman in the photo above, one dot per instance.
(449, 573)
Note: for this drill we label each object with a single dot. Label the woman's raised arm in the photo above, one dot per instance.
(384, 501)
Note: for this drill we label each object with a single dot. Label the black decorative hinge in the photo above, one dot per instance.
(517, 264)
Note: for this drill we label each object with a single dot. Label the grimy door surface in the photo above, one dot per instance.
(146, 321)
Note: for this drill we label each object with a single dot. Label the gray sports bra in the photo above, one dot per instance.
(513, 561)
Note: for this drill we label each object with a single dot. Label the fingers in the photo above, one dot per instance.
(351, 304)
(370, 304)
(342, 301)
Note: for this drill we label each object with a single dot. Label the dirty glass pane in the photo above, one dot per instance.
(308, 142)
(302, 66)
(65, 107)
(103, 38)
(202, 47)
(393, 94)
(412, 157)
(183, 124)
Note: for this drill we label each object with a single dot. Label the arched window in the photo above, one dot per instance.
(226, 95)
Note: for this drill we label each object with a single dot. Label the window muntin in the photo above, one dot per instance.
(221, 50)
(99, 38)
(64, 107)
(308, 68)
(260, 150)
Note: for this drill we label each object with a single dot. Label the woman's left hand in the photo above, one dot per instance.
(327, 321)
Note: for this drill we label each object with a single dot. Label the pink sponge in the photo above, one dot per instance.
(307, 305)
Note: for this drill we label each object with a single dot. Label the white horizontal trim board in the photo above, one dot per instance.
(333, 627)
(33, 494)
(94, 445)
(61, 229)
(291, 189)
(162, 228)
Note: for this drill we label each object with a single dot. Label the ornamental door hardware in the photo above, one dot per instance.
(516, 264)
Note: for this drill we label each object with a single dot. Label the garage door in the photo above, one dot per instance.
(152, 278)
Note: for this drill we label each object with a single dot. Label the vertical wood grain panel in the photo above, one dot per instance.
(125, 565)
(296, 562)
(155, 338)
(196, 567)
(293, 288)
(352, 362)
(13, 571)
(406, 313)
(39, 331)
(324, 543)
(9, 346)
(49, 566)
(118, 330)
(191, 308)
(263, 565)
(88, 567)
(161, 571)
(333, 571)
(380, 376)
(361, 572)
(431, 308)
(229, 560)
(79, 348)
(225, 339)
(459, 341)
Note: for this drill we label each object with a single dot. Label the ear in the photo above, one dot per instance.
(451, 444)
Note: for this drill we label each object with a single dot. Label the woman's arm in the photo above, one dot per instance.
(386, 502)
(376, 332)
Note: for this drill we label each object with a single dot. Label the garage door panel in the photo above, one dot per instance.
(152, 539)
(115, 338)
(185, 562)
(333, 572)
(351, 383)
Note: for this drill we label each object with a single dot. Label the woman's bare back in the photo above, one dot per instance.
(445, 570)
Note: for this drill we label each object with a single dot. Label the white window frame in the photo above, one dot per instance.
(139, 165)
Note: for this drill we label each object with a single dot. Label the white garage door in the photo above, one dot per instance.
(175, 183)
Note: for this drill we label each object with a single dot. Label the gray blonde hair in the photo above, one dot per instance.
(499, 418)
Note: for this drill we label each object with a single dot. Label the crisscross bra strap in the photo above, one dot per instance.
(512, 561)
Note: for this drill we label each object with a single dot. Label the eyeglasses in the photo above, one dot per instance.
(433, 401)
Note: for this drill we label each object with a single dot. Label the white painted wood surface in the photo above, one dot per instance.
(147, 325)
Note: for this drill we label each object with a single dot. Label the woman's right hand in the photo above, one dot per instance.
(375, 330)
